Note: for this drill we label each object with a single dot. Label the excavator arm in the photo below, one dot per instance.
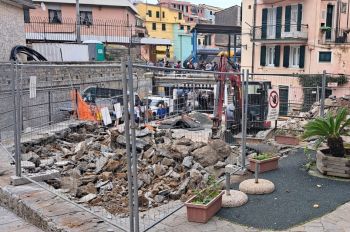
(235, 81)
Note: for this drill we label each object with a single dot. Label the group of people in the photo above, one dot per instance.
(202, 65)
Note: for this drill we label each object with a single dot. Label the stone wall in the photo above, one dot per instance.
(54, 87)
(12, 29)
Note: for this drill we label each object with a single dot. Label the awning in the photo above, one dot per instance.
(155, 41)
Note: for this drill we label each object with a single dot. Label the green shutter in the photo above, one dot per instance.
(278, 22)
(302, 57)
(263, 56)
(264, 23)
(286, 50)
(300, 16)
(277, 56)
(287, 19)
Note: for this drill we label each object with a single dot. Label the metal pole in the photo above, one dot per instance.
(234, 48)
(16, 115)
(318, 94)
(49, 105)
(133, 144)
(256, 174)
(127, 138)
(323, 93)
(77, 8)
(193, 95)
(227, 183)
(229, 47)
(244, 116)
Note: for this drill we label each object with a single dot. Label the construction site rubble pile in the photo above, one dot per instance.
(93, 165)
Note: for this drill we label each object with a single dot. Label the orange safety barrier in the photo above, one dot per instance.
(83, 110)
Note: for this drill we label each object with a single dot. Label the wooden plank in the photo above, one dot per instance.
(322, 156)
(337, 167)
(338, 174)
(339, 164)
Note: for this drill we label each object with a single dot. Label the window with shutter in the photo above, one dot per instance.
(263, 56)
(286, 50)
(264, 23)
(300, 16)
(271, 23)
(294, 57)
(287, 18)
(277, 56)
(270, 56)
(293, 18)
(302, 57)
(278, 22)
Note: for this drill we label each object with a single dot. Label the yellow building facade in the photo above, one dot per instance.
(160, 23)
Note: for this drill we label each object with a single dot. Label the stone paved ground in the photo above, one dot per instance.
(10, 222)
(337, 221)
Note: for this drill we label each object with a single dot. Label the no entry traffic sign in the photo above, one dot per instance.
(274, 104)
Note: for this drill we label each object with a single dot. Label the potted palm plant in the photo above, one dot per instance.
(205, 203)
(288, 137)
(330, 160)
(266, 162)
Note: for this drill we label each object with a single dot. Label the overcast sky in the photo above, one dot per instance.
(218, 3)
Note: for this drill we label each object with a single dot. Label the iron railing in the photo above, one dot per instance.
(281, 32)
(334, 35)
(111, 31)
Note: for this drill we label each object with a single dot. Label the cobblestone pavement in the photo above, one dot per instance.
(10, 222)
(336, 221)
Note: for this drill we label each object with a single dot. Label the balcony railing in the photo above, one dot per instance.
(335, 36)
(111, 31)
(281, 32)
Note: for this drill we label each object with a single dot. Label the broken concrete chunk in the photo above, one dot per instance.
(159, 170)
(168, 162)
(80, 149)
(159, 198)
(195, 176)
(47, 162)
(219, 164)
(100, 163)
(187, 161)
(206, 156)
(62, 163)
(32, 157)
(87, 198)
(27, 165)
(140, 144)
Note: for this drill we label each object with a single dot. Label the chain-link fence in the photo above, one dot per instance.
(46, 110)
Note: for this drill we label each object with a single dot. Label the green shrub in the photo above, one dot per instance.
(263, 156)
(330, 128)
(211, 190)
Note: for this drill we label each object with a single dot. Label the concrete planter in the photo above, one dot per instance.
(202, 213)
(287, 140)
(333, 166)
(265, 165)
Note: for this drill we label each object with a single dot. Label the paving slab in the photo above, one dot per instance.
(10, 222)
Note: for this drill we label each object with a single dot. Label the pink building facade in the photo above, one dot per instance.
(192, 13)
(106, 21)
(104, 10)
(296, 37)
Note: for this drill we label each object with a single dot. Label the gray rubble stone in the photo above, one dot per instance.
(187, 161)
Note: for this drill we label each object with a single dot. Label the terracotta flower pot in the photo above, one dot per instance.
(286, 139)
(265, 165)
(202, 213)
